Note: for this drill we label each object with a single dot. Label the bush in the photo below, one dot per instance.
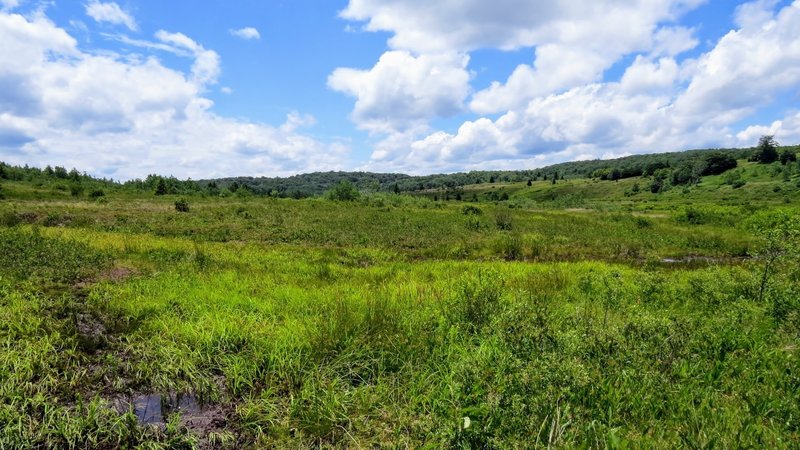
(97, 193)
(76, 190)
(182, 205)
(787, 156)
(344, 191)
(504, 221)
(470, 210)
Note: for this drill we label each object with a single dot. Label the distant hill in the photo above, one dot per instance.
(317, 183)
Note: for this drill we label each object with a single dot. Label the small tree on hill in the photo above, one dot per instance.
(344, 191)
(766, 150)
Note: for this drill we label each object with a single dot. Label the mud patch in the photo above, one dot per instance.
(202, 420)
(91, 333)
(113, 275)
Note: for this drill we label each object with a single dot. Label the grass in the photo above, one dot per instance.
(396, 322)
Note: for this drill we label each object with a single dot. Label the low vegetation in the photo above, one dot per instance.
(589, 313)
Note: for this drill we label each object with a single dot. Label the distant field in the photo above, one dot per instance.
(583, 313)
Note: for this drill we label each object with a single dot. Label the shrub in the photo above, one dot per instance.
(76, 190)
(10, 219)
(474, 223)
(344, 191)
(97, 193)
(182, 205)
(470, 210)
(787, 156)
(504, 221)
(510, 247)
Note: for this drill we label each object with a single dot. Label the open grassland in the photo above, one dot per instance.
(397, 322)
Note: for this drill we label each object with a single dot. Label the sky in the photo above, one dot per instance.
(273, 88)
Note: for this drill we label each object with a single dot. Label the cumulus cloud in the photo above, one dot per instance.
(786, 130)
(573, 42)
(111, 13)
(247, 33)
(206, 67)
(127, 117)
(658, 104)
(424, 26)
(403, 91)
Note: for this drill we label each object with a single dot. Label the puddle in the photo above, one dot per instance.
(155, 408)
(703, 260)
(200, 419)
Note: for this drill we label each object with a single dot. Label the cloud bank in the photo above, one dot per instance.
(124, 116)
(560, 106)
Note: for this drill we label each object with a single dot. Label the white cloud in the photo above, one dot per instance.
(424, 26)
(403, 91)
(573, 42)
(246, 33)
(658, 105)
(558, 106)
(111, 13)
(672, 41)
(206, 67)
(129, 117)
(644, 76)
(786, 131)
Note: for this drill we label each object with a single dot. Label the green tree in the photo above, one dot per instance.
(161, 187)
(779, 235)
(766, 150)
(787, 156)
(717, 163)
(344, 191)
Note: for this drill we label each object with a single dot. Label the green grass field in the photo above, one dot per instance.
(574, 315)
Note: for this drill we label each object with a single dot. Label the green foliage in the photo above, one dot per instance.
(766, 151)
(788, 155)
(779, 234)
(76, 189)
(343, 191)
(386, 322)
(717, 163)
(161, 187)
(470, 210)
(29, 255)
(182, 205)
(503, 220)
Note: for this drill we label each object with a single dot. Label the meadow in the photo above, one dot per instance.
(576, 314)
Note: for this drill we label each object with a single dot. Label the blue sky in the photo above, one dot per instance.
(201, 89)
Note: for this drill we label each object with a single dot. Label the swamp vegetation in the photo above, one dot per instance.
(582, 313)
